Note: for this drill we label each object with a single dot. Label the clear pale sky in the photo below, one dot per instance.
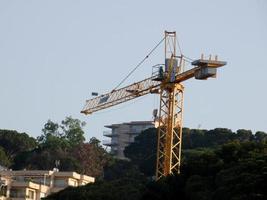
(54, 53)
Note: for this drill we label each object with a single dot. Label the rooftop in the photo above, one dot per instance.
(131, 123)
(36, 173)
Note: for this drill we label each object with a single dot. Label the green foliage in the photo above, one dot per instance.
(246, 179)
(72, 131)
(56, 143)
(91, 157)
(68, 134)
(44, 159)
(52, 136)
(202, 162)
(236, 159)
(196, 138)
(4, 161)
(208, 174)
(14, 143)
(143, 151)
(168, 188)
(120, 189)
(244, 135)
(217, 164)
(198, 188)
(65, 143)
(122, 168)
(260, 136)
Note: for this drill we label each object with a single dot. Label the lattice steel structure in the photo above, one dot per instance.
(170, 113)
(170, 130)
(167, 83)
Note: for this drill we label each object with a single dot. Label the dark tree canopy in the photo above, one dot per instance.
(92, 158)
(217, 164)
(4, 161)
(14, 143)
(143, 151)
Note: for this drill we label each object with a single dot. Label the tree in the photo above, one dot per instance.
(14, 143)
(73, 130)
(234, 170)
(198, 188)
(196, 137)
(119, 189)
(246, 179)
(68, 134)
(116, 169)
(260, 136)
(244, 135)
(51, 129)
(92, 158)
(167, 188)
(56, 143)
(143, 151)
(4, 161)
(45, 158)
(203, 162)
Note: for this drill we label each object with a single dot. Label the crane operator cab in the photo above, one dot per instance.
(166, 72)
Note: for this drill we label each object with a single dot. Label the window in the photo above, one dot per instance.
(17, 193)
(60, 183)
(13, 193)
(31, 194)
(3, 190)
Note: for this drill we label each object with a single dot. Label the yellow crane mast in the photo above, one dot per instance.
(167, 82)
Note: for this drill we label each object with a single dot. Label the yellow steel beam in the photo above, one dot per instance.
(171, 103)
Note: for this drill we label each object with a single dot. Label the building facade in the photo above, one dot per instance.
(36, 184)
(123, 134)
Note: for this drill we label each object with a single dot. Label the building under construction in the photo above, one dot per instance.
(123, 134)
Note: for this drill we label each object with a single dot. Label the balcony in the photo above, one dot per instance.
(133, 133)
(109, 134)
(20, 184)
(109, 143)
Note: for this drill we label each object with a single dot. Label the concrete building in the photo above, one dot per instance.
(123, 134)
(35, 184)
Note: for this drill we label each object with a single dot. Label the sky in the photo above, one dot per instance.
(54, 53)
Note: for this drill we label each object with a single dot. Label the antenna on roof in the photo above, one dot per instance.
(57, 164)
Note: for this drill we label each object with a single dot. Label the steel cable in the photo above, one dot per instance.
(140, 63)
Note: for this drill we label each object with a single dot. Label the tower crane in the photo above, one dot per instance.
(167, 82)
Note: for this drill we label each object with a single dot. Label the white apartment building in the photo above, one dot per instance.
(123, 134)
(35, 184)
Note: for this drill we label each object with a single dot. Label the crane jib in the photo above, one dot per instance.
(121, 95)
(148, 86)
